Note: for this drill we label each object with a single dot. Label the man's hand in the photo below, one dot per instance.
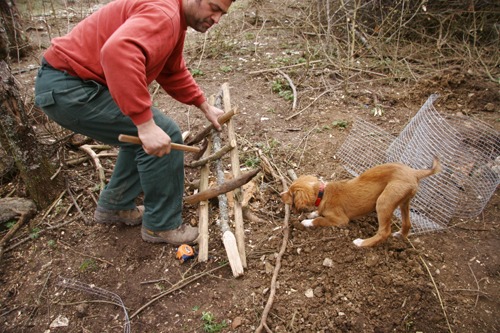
(154, 140)
(212, 114)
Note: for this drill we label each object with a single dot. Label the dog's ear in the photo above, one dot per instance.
(286, 197)
(301, 199)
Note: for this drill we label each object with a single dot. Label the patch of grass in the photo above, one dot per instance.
(268, 146)
(323, 128)
(10, 224)
(88, 265)
(210, 324)
(282, 89)
(225, 69)
(252, 162)
(196, 72)
(342, 124)
(35, 233)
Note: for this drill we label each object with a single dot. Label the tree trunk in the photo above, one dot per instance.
(19, 140)
(13, 40)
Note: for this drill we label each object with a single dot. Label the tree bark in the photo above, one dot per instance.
(18, 139)
(13, 40)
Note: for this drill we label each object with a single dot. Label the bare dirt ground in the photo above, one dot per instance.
(447, 281)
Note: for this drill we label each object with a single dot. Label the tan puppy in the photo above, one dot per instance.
(382, 189)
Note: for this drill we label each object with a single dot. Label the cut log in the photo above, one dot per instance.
(221, 188)
(239, 229)
(204, 212)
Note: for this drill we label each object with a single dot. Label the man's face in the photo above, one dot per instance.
(202, 14)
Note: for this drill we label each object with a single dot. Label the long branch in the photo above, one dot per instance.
(221, 189)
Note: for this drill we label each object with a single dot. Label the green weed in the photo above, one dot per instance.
(88, 265)
(196, 72)
(210, 325)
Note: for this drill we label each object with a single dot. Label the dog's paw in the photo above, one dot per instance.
(397, 234)
(313, 215)
(358, 242)
(307, 223)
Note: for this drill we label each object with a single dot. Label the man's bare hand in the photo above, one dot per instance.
(154, 140)
(212, 114)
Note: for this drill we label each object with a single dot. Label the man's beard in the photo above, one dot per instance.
(203, 25)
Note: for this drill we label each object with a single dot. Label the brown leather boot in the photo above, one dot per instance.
(128, 217)
(185, 234)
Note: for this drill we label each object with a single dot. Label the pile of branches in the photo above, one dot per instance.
(394, 29)
(473, 21)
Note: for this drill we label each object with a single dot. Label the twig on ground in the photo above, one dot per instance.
(277, 267)
(95, 158)
(84, 254)
(9, 311)
(304, 139)
(299, 112)
(28, 238)
(203, 50)
(153, 95)
(256, 43)
(436, 288)
(76, 204)
(477, 284)
(47, 212)
(294, 90)
(285, 67)
(179, 285)
(22, 220)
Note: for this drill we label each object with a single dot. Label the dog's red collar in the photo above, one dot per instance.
(320, 194)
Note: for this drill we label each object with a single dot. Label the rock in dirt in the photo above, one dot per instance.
(328, 262)
(309, 293)
(236, 322)
(489, 107)
(10, 208)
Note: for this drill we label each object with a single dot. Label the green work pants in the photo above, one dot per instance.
(86, 107)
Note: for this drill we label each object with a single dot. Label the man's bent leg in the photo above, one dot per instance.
(162, 180)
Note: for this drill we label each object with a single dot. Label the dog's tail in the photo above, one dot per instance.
(436, 168)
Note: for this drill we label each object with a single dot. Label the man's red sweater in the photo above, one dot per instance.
(125, 46)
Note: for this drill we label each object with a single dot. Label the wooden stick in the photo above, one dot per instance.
(221, 188)
(239, 230)
(204, 210)
(102, 178)
(222, 119)
(215, 156)
(294, 90)
(228, 238)
(25, 216)
(277, 267)
(175, 146)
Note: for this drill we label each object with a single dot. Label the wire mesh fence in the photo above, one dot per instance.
(468, 149)
(100, 293)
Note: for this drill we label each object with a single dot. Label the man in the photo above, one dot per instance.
(94, 81)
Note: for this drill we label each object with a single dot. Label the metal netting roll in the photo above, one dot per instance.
(467, 148)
